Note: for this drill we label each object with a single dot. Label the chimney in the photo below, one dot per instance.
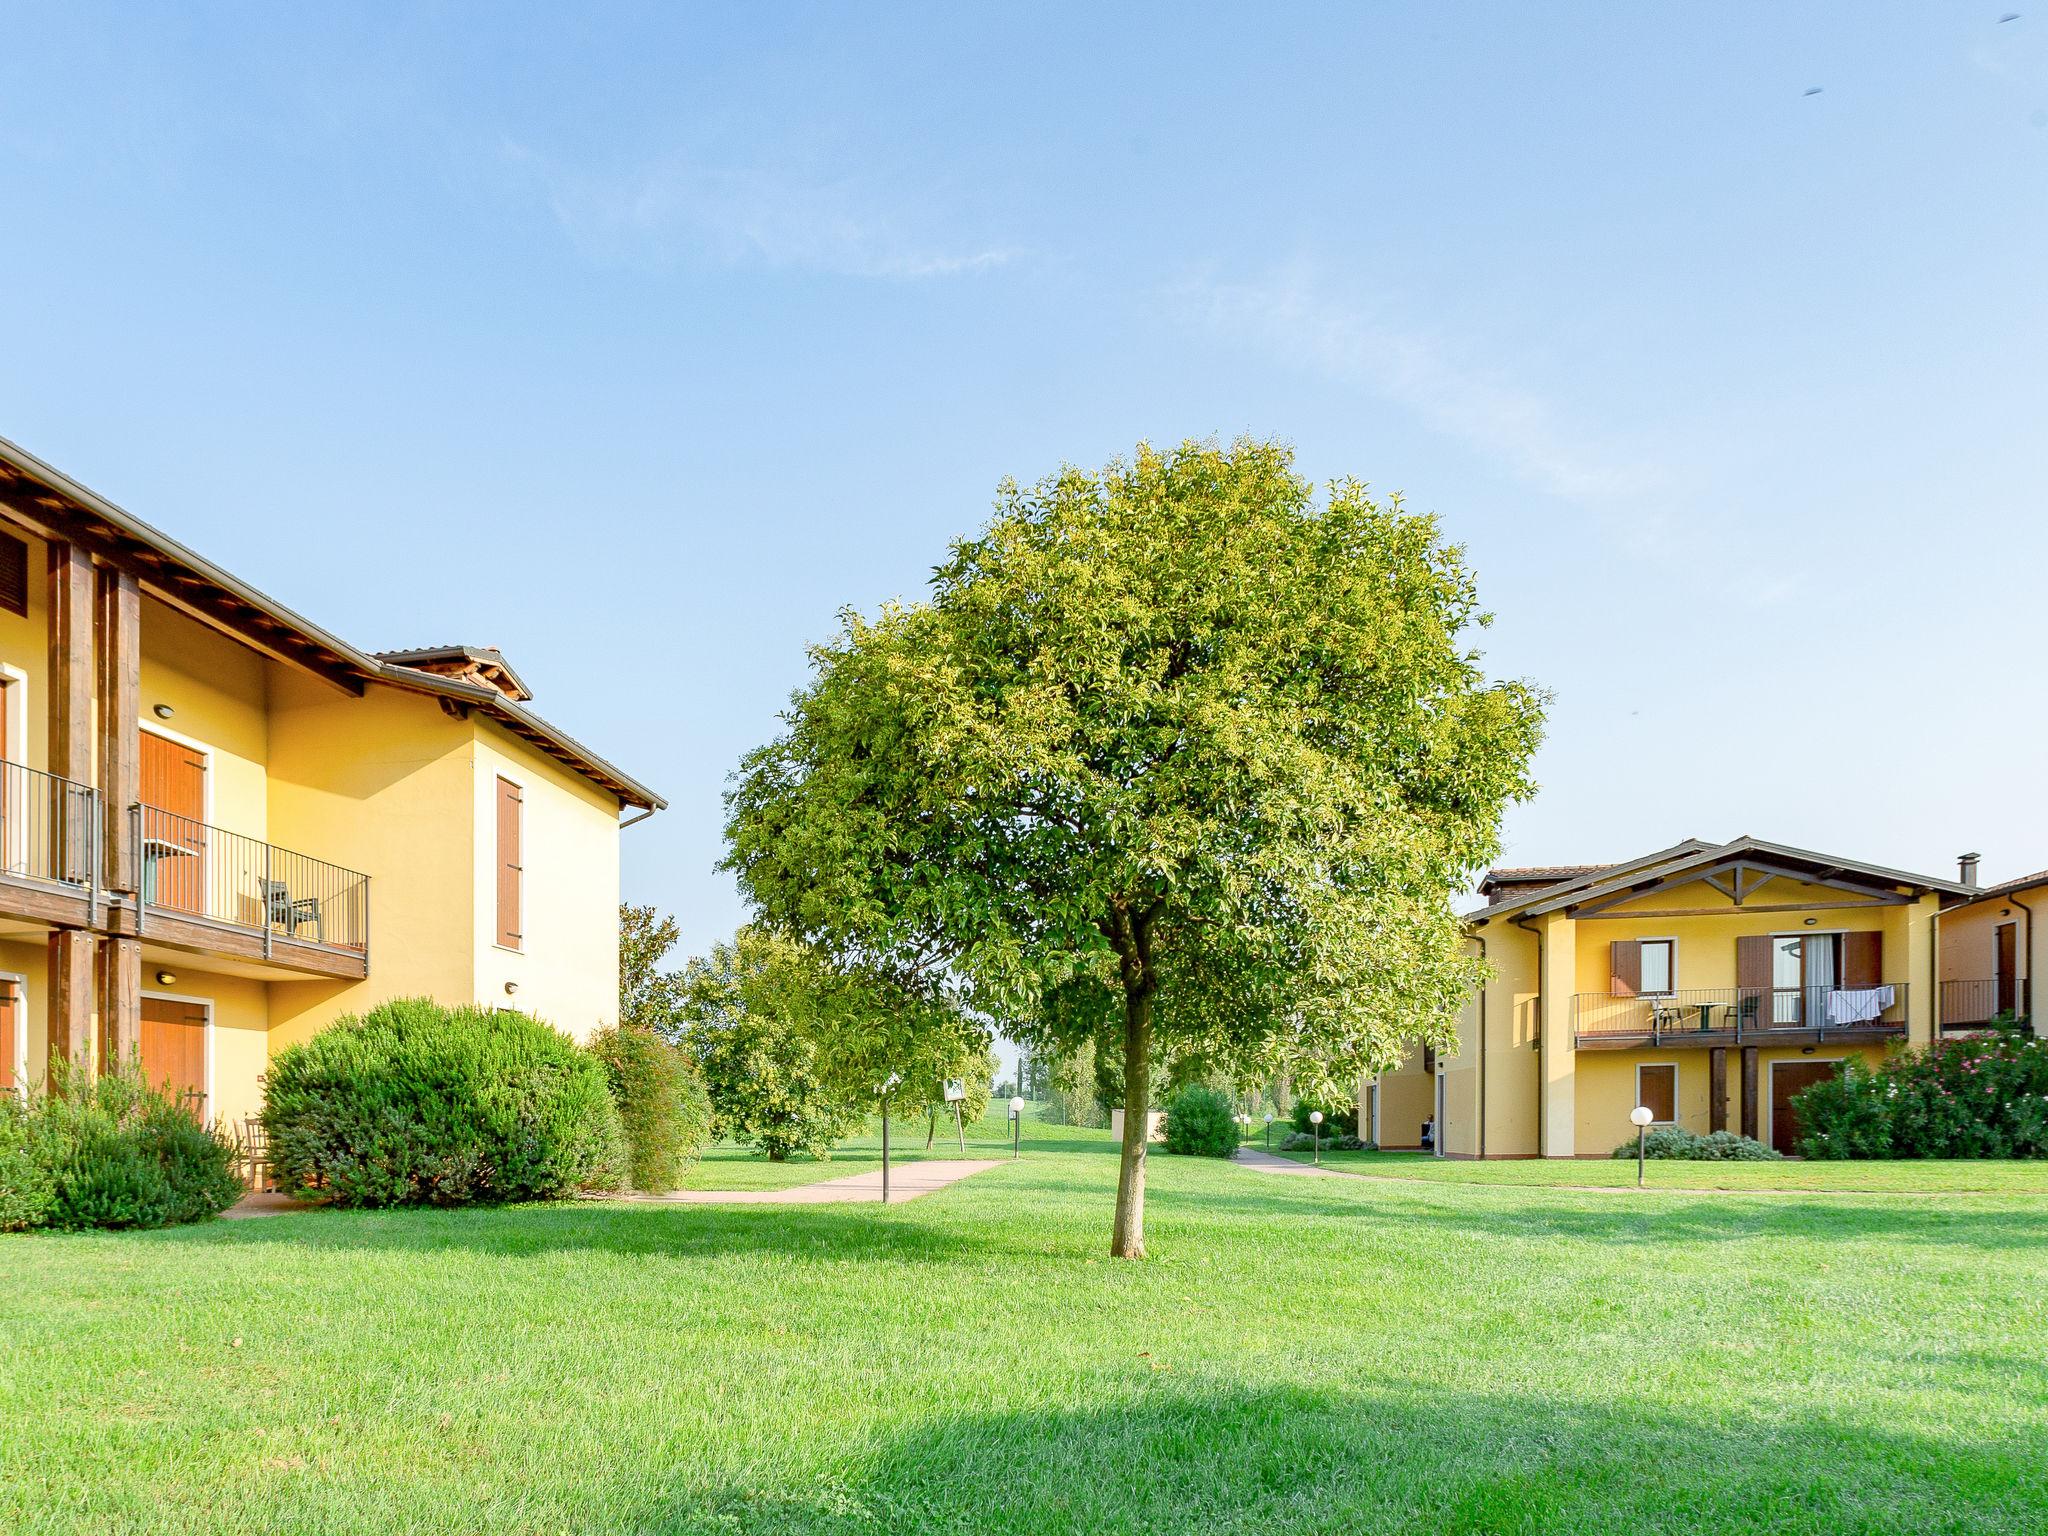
(1966, 867)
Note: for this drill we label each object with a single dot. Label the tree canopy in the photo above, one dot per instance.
(1173, 751)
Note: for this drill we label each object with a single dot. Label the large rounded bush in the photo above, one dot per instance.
(662, 1103)
(418, 1104)
(1199, 1123)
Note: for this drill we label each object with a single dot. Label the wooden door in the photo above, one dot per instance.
(173, 848)
(10, 1035)
(174, 1049)
(1789, 1078)
(2005, 968)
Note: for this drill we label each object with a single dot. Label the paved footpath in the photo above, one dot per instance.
(906, 1182)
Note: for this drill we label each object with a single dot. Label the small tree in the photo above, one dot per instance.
(756, 1014)
(650, 998)
(1173, 744)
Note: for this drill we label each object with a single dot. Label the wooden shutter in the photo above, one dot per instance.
(509, 866)
(172, 786)
(13, 574)
(1658, 1087)
(1753, 978)
(1624, 968)
(1862, 959)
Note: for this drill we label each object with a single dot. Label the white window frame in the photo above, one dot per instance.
(20, 1063)
(15, 697)
(1671, 979)
(1673, 1065)
(212, 1100)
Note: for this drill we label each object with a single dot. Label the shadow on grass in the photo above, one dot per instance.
(1654, 1217)
(828, 1233)
(1401, 1459)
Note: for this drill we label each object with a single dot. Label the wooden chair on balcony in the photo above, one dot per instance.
(281, 911)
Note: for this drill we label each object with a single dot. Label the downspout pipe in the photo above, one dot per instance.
(1481, 938)
(634, 821)
(2028, 951)
(1521, 920)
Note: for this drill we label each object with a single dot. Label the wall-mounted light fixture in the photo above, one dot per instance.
(511, 988)
(1811, 921)
(163, 711)
(165, 978)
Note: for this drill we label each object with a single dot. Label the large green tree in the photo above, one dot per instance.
(1177, 753)
(764, 1016)
(650, 997)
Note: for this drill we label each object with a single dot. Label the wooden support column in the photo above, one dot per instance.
(120, 1001)
(71, 732)
(71, 956)
(1717, 1088)
(120, 684)
(1749, 1091)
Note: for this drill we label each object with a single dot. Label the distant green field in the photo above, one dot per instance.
(1905, 1177)
(728, 1166)
(1301, 1357)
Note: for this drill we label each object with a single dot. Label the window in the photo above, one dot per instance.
(13, 574)
(510, 869)
(1657, 1087)
(1660, 966)
(1429, 1058)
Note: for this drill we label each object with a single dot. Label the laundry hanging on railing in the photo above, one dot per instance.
(1858, 1005)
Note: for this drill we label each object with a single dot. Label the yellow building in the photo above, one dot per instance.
(1709, 981)
(221, 827)
(1990, 949)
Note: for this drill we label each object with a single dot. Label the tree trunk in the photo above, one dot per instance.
(1128, 1239)
(931, 1130)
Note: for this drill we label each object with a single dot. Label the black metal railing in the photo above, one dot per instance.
(49, 826)
(1739, 1013)
(1972, 1004)
(195, 870)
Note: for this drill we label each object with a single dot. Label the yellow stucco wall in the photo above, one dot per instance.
(1967, 940)
(1607, 1088)
(381, 785)
(215, 690)
(25, 661)
(566, 967)
(27, 956)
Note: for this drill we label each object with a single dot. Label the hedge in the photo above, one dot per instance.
(415, 1103)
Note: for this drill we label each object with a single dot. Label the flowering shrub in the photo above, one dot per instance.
(1984, 1097)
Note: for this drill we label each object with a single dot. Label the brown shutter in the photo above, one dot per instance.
(508, 864)
(13, 574)
(1624, 968)
(1753, 978)
(1862, 959)
(1659, 1089)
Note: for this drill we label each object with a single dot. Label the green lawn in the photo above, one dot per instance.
(1926, 1177)
(1302, 1355)
(727, 1166)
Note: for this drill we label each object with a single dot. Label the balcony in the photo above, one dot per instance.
(1740, 1016)
(49, 846)
(1974, 1004)
(218, 892)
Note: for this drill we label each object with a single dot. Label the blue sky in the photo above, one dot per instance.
(638, 340)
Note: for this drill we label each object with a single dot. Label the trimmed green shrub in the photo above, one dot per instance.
(1677, 1143)
(662, 1105)
(1200, 1123)
(414, 1103)
(109, 1152)
(1339, 1119)
(27, 1191)
(1974, 1097)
